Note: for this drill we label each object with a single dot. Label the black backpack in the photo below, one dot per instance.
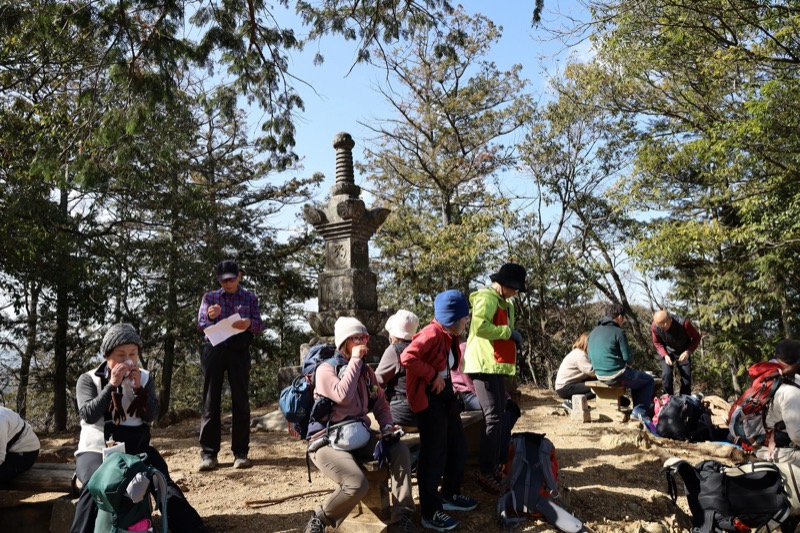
(684, 417)
(738, 498)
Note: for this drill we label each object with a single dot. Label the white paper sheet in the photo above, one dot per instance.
(222, 330)
(117, 448)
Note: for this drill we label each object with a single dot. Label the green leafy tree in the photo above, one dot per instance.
(712, 86)
(433, 162)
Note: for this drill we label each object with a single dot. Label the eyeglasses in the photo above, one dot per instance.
(360, 339)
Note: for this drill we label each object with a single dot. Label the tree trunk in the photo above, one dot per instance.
(169, 352)
(30, 349)
(60, 342)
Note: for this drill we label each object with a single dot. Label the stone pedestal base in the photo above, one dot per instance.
(580, 409)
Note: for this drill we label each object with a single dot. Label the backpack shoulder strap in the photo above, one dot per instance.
(160, 484)
(546, 451)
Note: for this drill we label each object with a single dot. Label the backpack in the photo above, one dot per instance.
(297, 399)
(119, 487)
(739, 498)
(658, 403)
(685, 417)
(748, 414)
(529, 486)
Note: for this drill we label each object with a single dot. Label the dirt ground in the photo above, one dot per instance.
(610, 474)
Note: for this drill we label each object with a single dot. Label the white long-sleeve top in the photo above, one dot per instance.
(785, 406)
(574, 368)
(11, 424)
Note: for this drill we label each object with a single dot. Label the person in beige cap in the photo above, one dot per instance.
(401, 326)
(352, 387)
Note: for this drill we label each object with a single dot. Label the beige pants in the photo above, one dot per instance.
(352, 484)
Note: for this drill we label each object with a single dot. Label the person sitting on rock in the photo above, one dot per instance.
(575, 370)
(117, 401)
(336, 447)
(611, 358)
(19, 445)
(391, 375)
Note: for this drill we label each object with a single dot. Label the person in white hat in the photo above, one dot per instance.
(401, 327)
(336, 445)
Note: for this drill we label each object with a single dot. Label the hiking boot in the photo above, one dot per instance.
(207, 464)
(458, 502)
(242, 461)
(404, 525)
(314, 525)
(567, 405)
(488, 482)
(440, 522)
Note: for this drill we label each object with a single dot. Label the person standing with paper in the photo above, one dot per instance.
(231, 356)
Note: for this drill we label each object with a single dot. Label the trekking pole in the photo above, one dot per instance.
(285, 498)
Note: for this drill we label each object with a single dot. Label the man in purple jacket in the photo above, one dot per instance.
(231, 356)
(675, 339)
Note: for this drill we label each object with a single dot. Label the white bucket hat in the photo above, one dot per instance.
(403, 324)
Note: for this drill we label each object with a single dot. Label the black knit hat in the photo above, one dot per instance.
(511, 275)
(117, 335)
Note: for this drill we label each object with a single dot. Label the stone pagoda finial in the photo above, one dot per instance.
(347, 287)
(345, 179)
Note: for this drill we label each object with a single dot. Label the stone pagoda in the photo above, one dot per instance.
(347, 287)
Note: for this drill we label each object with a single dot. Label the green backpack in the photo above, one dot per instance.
(109, 489)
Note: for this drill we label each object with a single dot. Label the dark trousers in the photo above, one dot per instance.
(442, 451)
(181, 516)
(684, 369)
(16, 463)
(571, 389)
(402, 414)
(491, 391)
(214, 362)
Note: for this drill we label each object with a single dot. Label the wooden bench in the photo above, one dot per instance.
(608, 396)
(46, 477)
(607, 400)
(50, 516)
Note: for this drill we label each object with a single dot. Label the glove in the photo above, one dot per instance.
(138, 407)
(383, 450)
(117, 411)
(516, 337)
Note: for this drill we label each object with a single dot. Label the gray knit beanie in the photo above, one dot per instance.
(117, 335)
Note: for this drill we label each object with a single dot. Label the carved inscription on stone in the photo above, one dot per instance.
(339, 255)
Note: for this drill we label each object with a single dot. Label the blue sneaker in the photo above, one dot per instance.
(457, 502)
(440, 522)
(640, 413)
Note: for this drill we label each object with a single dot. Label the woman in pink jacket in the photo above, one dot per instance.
(337, 446)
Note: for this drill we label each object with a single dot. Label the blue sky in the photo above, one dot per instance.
(337, 98)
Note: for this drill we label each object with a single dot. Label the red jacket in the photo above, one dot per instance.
(424, 358)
